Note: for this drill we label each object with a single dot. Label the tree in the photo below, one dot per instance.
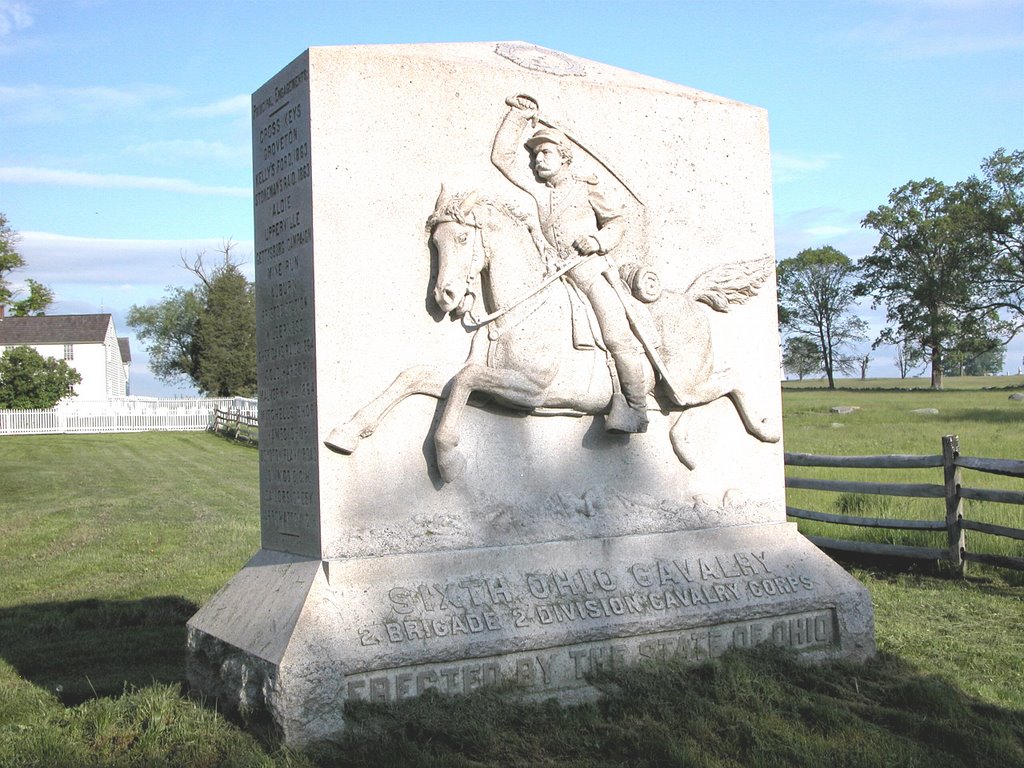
(206, 334)
(36, 303)
(999, 198)
(907, 358)
(10, 259)
(929, 270)
(863, 361)
(815, 299)
(28, 380)
(225, 336)
(988, 363)
(975, 357)
(40, 297)
(801, 356)
(167, 328)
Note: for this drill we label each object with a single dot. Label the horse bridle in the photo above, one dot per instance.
(473, 281)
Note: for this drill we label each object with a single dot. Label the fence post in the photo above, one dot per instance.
(954, 504)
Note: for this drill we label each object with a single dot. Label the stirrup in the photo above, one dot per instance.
(624, 420)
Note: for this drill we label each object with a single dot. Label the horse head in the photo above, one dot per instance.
(454, 232)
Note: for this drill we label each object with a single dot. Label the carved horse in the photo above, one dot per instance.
(525, 357)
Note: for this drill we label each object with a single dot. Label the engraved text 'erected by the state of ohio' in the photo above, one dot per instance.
(553, 668)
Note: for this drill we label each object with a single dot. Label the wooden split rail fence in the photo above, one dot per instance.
(238, 425)
(951, 490)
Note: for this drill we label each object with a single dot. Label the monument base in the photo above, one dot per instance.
(299, 637)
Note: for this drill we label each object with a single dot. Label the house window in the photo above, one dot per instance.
(69, 351)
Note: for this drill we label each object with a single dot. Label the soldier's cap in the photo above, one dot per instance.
(546, 135)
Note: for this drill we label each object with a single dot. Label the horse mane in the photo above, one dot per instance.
(452, 210)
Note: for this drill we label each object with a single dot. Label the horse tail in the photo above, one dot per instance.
(727, 285)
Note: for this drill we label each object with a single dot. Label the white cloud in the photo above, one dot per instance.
(816, 227)
(235, 106)
(195, 149)
(27, 175)
(43, 104)
(925, 29)
(34, 103)
(124, 267)
(827, 231)
(787, 167)
(14, 16)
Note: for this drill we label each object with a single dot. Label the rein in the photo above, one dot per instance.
(469, 322)
(475, 324)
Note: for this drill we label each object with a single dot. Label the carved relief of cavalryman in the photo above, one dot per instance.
(578, 220)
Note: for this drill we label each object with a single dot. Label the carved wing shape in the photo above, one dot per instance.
(727, 285)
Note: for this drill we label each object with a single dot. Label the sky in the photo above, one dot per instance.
(125, 130)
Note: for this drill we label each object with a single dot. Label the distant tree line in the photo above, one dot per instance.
(948, 270)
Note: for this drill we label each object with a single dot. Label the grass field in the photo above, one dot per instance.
(988, 423)
(111, 542)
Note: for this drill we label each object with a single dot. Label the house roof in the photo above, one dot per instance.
(54, 329)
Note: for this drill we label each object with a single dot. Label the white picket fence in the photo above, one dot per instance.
(129, 414)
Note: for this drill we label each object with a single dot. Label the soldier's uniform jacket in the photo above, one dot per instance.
(576, 209)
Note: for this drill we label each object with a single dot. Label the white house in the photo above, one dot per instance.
(88, 343)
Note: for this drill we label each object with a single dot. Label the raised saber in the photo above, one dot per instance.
(512, 102)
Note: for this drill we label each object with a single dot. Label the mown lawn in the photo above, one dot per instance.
(111, 542)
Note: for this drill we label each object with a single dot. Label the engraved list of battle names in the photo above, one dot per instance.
(284, 294)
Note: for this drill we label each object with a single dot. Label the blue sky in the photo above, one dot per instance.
(124, 128)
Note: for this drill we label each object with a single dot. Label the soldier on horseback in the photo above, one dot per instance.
(580, 224)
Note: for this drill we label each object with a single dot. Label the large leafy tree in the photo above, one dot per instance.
(999, 199)
(204, 335)
(167, 329)
(28, 380)
(929, 270)
(816, 298)
(989, 363)
(982, 360)
(39, 296)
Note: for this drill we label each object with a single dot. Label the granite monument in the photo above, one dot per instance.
(520, 413)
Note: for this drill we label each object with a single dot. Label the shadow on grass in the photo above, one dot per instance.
(986, 415)
(89, 648)
(761, 707)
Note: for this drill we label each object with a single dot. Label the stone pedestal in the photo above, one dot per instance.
(409, 543)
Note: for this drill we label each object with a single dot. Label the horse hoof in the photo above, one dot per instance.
(343, 439)
(682, 452)
(768, 431)
(451, 465)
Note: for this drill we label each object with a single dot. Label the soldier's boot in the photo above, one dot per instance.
(628, 413)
